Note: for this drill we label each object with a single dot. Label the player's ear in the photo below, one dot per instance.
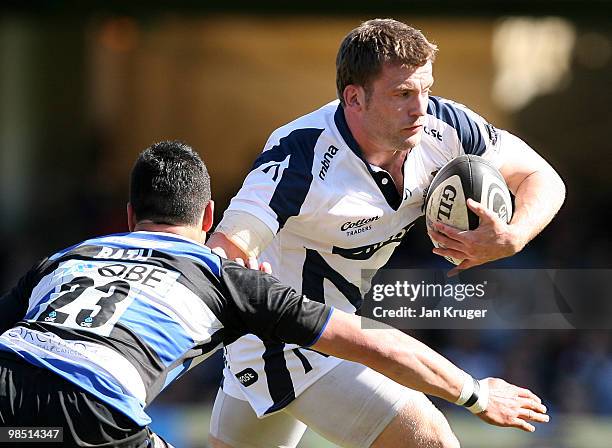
(208, 218)
(354, 96)
(131, 217)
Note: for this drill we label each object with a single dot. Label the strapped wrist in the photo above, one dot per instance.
(474, 395)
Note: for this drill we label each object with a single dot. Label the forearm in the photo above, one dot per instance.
(220, 244)
(241, 235)
(394, 354)
(538, 198)
(538, 189)
(411, 363)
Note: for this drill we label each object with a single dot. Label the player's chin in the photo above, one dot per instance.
(411, 141)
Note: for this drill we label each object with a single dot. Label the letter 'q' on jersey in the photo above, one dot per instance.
(336, 220)
(122, 316)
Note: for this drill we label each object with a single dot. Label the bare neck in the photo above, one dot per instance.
(191, 232)
(374, 153)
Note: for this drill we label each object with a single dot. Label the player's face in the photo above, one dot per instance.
(397, 105)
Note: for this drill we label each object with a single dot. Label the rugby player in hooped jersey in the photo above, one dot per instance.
(91, 335)
(333, 193)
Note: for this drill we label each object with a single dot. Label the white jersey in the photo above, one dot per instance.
(334, 215)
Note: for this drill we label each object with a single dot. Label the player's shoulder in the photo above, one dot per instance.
(446, 117)
(450, 112)
(304, 128)
(298, 140)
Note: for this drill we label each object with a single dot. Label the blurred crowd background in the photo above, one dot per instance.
(82, 91)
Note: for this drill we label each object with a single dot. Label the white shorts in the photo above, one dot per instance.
(350, 406)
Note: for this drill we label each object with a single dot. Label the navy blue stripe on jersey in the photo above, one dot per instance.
(366, 252)
(471, 138)
(278, 377)
(302, 139)
(295, 181)
(305, 363)
(345, 132)
(315, 270)
(166, 337)
(324, 355)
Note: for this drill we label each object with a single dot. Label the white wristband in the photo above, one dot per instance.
(483, 398)
(474, 395)
(466, 391)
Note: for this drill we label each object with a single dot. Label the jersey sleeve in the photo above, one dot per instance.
(472, 133)
(248, 233)
(14, 304)
(279, 180)
(258, 303)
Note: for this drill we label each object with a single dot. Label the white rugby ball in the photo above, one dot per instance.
(464, 177)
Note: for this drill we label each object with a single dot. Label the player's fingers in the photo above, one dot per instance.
(253, 263)
(533, 405)
(240, 261)
(265, 267)
(526, 393)
(480, 210)
(446, 252)
(449, 231)
(447, 242)
(534, 416)
(522, 424)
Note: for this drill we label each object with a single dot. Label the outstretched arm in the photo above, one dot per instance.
(259, 304)
(413, 364)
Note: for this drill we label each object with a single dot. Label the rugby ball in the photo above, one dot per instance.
(464, 177)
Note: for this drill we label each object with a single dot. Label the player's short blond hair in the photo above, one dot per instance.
(365, 50)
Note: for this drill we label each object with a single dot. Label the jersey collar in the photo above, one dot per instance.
(382, 178)
(346, 133)
(169, 235)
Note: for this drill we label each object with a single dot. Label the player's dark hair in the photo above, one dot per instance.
(365, 50)
(169, 184)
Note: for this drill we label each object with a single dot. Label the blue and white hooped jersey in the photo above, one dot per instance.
(122, 316)
(334, 215)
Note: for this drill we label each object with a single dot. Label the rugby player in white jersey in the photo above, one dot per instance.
(333, 193)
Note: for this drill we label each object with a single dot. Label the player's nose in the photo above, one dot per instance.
(423, 100)
(419, 106)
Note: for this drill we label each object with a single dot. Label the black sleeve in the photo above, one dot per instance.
(14, 304)
(258, 303)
